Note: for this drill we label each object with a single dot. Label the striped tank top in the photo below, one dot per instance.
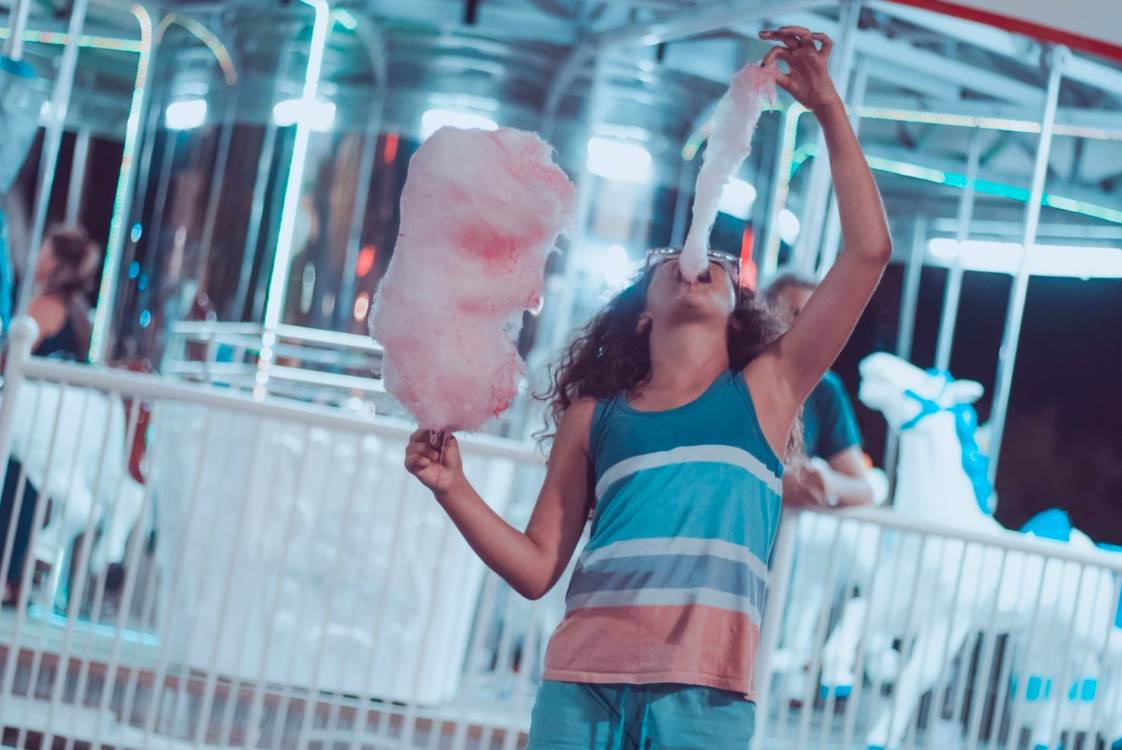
(672, 583)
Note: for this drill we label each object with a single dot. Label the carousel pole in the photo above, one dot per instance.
(1007, 354)
(48, 164)
(954, 274)
(19, 13)
(375, 44)
(909, 300)
(77, 176)
(819, 188)
(126, 182)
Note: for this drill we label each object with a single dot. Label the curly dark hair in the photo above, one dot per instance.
(611, 355)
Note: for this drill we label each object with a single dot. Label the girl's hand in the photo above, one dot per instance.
(439, 473)
(808, 77)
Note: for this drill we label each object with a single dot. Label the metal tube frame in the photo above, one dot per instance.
(1007, 354)
(48, 164)
(77, 181)
(375, 45)
(953, 289)
(115, 246)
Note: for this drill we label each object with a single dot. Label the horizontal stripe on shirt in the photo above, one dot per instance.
(723, 454)
(667, 597)
(676, 545)
(671, 572)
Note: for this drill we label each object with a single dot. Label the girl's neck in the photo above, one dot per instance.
(685, 360)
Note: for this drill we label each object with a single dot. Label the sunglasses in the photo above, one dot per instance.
(727, 261)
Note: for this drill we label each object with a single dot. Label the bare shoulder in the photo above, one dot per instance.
(576, 423)
(49, 312)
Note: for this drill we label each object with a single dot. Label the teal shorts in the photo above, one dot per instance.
(577, 716)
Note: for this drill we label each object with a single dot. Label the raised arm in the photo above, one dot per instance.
(533, 560)
(800, 357)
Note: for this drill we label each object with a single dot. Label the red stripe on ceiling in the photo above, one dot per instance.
(1020, 26)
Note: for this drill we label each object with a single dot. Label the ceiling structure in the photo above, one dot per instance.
(929, 77)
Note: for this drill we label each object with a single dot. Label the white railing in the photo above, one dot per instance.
(216, 571)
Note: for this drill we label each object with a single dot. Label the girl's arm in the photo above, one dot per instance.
(794, 364)
(533, 560)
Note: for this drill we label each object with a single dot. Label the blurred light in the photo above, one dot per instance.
(618, 160)
(362, 306)
(134, 270)
(737, 199)
(136, 232)
(314, 114)
(345, 19)
(389, 151)
(44, 109)
(145, 318)
(84, 40)
(1044, 260)
(434, 119)
(142, 282)
(788, 226)
(365, 261)
(982, 187)
(185, 115)
(616, 267)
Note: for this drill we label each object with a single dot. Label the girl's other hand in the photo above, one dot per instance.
(439, 473)
(807, 55)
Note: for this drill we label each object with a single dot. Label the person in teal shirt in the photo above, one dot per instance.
(833, 471)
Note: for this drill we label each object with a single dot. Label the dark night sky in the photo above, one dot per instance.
(1063, 440)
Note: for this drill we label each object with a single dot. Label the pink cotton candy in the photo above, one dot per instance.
(730, 142)
(480, 213)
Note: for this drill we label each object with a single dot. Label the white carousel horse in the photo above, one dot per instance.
(84, 473)
(941, 480)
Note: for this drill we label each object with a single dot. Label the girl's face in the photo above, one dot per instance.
(670, 298)
(46, 265)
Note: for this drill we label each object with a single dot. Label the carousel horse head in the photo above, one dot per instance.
(908, 396)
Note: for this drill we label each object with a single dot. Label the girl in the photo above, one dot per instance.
(674, 408)
(64, 275)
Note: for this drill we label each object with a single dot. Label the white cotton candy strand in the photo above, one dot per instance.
(730, 141)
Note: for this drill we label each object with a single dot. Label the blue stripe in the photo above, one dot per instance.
(705, 501)
(671, 572)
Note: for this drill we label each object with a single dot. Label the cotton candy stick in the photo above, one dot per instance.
(480, 213)
(730, 141)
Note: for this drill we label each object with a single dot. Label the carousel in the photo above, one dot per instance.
(208, 537)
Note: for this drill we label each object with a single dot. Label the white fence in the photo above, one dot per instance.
(215, 571)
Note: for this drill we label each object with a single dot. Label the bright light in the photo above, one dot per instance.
(185, 115)
(316, 115)
(1044, 260)
(737, 199)
(788, 226)
(362, 306)
(434, 119)
(616, 267)
(618, 160)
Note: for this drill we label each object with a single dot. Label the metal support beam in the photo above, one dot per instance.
(953, 290)
(52, 140)
(1007, 355)
(294, 184)
(831, 242)
(909, 298)
(126, 181)
(693, 22)
(817, 195)
(375, 45)
(18, 14)
(214, 196)
(78, 164)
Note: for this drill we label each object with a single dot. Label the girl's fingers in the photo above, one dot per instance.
(783, 81)
(826, 42)
(776, 53)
